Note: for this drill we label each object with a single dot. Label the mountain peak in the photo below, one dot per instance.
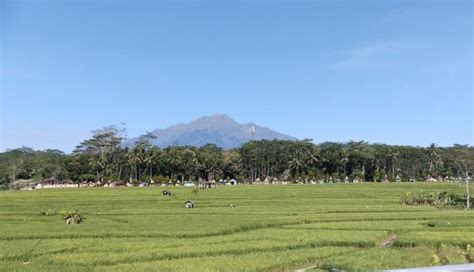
(218, 129)
(218, 117)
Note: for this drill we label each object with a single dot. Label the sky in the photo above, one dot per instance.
(395, 71)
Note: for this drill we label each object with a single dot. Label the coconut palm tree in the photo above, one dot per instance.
(434, 159)
(344, 155)
(190, 163)
(393, 154)
(96, 163)
(312, 156)
(150, 157)
(297, 163)
(174, 160)
(135, 159)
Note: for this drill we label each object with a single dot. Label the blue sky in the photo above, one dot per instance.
(398, 72)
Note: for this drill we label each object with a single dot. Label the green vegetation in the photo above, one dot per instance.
(237, 228)
(73, 217)
(438, 199)
(101, 159)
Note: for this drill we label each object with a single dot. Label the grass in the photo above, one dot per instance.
(241, 228)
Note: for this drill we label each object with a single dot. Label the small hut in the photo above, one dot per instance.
(211, 184)
(143, 184)
(430, 179)
(265, 181)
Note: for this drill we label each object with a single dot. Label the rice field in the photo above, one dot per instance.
(233, 228)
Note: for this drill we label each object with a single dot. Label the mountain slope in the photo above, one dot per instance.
(217, 129)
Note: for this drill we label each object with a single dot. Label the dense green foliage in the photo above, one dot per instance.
(237, 228)
(101, 158)
(438, 199)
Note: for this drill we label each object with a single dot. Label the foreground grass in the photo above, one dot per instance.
(243, 228)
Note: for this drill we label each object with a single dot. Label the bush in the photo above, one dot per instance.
(438, 199)
(87, 177)
(73, 217)
(159, 179)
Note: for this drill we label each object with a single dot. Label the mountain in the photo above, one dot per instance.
(217, 129)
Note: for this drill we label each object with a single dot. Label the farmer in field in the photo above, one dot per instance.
(189, 205)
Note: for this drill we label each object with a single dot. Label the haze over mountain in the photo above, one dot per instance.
(217, 129)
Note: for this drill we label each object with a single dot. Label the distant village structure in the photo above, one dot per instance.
(54, 183)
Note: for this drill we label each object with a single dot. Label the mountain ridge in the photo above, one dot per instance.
(219, 129)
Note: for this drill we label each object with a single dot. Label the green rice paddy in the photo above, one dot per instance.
(233, 228)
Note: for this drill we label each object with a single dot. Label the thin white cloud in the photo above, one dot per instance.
(376, 56)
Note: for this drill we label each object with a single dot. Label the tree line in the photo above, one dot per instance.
(102, 158)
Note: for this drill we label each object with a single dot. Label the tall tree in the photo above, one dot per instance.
(150, 158)
(464, 161)
(434, 159)
(344, 160)
(210, 159)
(393, 154)
(103, 145)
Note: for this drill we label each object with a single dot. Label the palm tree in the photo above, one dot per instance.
(149, 159)
(297, 163)
(131, 162)
(190, 163)
(96, 163)
(434, 158)
(175, 161)
(312, 156)
(393, 154)
(344, 154)
(135, 158)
